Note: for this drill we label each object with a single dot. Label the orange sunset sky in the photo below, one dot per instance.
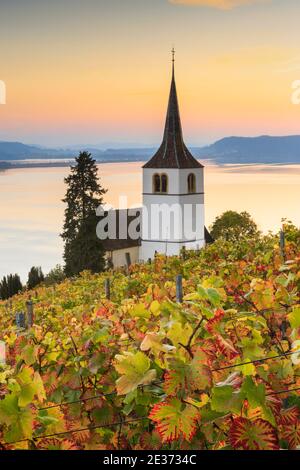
(98, 71)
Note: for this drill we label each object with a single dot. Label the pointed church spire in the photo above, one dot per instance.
(173, 152)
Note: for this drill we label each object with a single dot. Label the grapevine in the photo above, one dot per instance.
(221, 370)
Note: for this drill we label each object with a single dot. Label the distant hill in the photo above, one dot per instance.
(263, 149)
(18, 151)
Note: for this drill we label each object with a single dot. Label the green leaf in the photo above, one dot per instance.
(251, 348)
(179, 334)
(101, 336)
(26, 395)
(202, 293)
(140, 311)
(155, 308)
(19, 422)
(294, 317)
(39, 388)
(255, 394)
(9, 408)
(214, 296)
(29, 354)
(226, 399)
(247, 369)
(135, 371)
(46, 419)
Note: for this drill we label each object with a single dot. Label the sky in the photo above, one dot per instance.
(98, 71)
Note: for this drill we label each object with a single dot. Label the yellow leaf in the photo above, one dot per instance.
(155, 308)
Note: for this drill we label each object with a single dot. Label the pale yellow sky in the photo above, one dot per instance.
(99, 72)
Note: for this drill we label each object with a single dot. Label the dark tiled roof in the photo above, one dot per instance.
(208, 238)
(173, 152)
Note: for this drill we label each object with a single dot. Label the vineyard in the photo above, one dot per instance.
(221, 370)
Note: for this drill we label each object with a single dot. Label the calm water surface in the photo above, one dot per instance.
(31, 211)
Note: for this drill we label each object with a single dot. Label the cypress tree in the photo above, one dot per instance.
(35, 277)
(10, 285)
(82, 248)
(4, 289)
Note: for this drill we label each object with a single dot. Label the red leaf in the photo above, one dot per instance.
(253, 435)
(184, 378)
(174, 421)
(226, 347)
(289, 416)
(212, 324)
(291, 434)
(151, 441)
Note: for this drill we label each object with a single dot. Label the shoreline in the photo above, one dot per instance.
(6, 166)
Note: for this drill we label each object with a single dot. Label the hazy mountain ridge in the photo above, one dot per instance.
(262, 149)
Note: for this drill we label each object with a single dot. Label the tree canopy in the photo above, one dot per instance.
(9, 286)
(82, 250)
(35, 277)
(232, 225)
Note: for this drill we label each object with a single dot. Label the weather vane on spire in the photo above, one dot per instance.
(173, 55)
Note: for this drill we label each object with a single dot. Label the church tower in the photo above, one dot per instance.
(173, 192)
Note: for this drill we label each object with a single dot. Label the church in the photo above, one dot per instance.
(172, 216)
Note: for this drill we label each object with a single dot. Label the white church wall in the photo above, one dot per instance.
(118, 257)
(148, 249)
(173, 220)
(177, 180)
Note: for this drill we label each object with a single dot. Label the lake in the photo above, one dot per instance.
(31, 211)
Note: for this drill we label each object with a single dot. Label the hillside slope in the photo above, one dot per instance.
(140, 371)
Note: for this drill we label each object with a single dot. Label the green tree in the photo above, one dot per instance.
(4, 289)
(291, 232)
(233, 225)
(35, 277)
(55, 276)
(83, 250)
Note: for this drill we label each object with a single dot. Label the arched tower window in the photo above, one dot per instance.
(160, 183)
(156, 183)
(164, 183)
(191, 183)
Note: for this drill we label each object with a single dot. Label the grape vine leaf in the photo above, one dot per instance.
(294, 317)
(253, 435)
(19, 421)
(174, 420)
(184, 378)
(291, 434)
(135, 370)
(289, 416)
(226, 399)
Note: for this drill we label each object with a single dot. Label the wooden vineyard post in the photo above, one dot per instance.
(179, 291)
(128, 260)
(29, 306)
(282, 244)
(20, 320)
